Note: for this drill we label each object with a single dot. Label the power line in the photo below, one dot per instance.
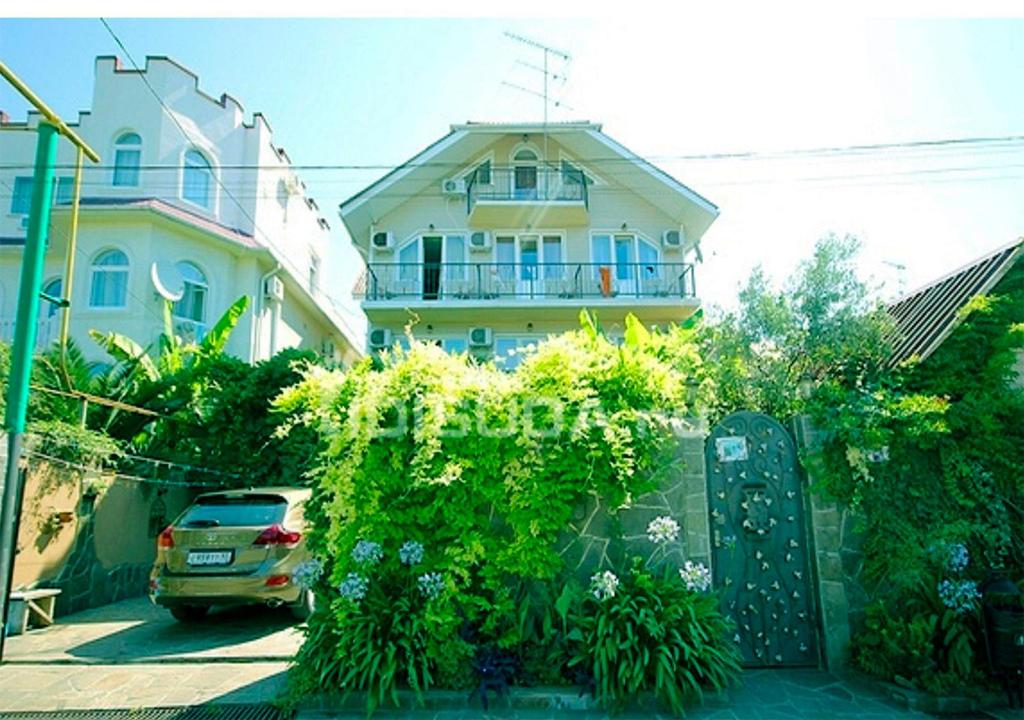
(1005, 143)
(120, 475)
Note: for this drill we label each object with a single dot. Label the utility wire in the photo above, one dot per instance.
(120, 475)
(1007, 142)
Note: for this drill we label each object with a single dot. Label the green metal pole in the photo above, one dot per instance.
(26, 325)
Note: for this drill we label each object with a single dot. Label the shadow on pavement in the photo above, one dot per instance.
(227, 634)
(265, 690)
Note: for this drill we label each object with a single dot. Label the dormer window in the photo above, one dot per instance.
(525, 174)
(127, 158)
(195, 182)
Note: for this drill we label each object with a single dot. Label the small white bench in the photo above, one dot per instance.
(36, 605)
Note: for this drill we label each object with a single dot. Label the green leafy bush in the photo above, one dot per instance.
(652, 634)
(485, 469)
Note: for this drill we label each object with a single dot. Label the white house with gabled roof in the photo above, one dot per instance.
(499, 234)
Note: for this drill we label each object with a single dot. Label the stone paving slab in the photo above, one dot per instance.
(136, 630)
(82, 687)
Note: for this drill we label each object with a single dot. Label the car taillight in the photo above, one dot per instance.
(166, 539)
(277, 580)
(277, 535)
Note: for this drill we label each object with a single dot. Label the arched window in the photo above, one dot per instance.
(196, 180)
(192, 305)
(109, 279)
(524, 179)
(54, 288)
(127, 157)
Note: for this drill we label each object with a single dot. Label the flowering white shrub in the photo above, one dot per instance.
(354, 587)
(662, 530)
(604, 585)
(958, 558)
(411, 553)
(959, 596)
(431, 584)
(308, 573)
(367, 552)
(695, 576)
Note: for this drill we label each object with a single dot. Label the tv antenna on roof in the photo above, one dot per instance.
(545, 71)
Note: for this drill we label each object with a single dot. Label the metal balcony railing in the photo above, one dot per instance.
(527, 183)
(553, 281)
(47, 329)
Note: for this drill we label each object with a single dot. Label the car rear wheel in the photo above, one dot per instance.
(189, 613)
(303, 607)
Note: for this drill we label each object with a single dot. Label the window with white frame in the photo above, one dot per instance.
(509, 350)
(109, 286)
(21, 198)
(127, 159)
(524, 178)
(620, 252)
(529, 256)
(455, 259)
(408, 261)
(192, 305)
(197, 179)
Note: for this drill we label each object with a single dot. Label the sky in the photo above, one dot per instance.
(376, 92)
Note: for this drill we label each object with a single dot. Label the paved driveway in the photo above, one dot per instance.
(132, 654)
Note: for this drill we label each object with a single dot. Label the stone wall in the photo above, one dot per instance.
(599, 538)
(838, 560)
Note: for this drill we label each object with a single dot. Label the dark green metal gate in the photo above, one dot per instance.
(759, 540)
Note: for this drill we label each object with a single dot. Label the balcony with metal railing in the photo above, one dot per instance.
(568, 283)
(510, 195)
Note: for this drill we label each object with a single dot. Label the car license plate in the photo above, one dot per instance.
(219, 557)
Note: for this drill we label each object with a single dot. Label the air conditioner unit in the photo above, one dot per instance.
(273, 288)
(480, 337)
(383, 241)
(380, 338)
(480, 241)
(327, 349)
(454, 186)
(672, 238)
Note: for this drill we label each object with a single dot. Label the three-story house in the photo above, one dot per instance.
(497, 235)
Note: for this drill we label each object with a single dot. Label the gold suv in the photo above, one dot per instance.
(233, 547)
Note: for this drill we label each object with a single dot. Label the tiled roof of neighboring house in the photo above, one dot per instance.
(926, 317)
(173, 211)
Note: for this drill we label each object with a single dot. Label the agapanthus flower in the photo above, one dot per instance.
(354, 587)
(959, 596)
(307, 573)
(604, 585)
(958, 558)
(431, 584)
(695, 576)
(662, 530)
(411, 553)
(367, 552)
